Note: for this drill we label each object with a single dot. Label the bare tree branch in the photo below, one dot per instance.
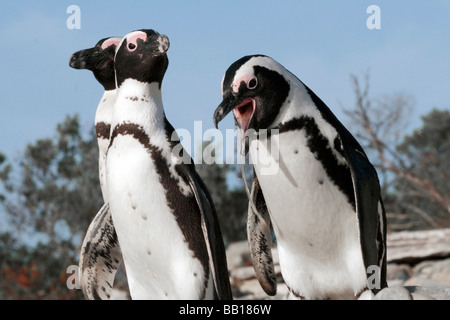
(379, 125)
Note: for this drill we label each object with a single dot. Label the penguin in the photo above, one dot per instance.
(162, 211)
(321, 197)
(100, 255)
(100, 60)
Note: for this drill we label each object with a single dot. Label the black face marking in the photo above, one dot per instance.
(319, 146)
(185, 209)
(102, 130)
(269, 89)
(231, 71)
(99, 61)
(270, 95)
(141, 61)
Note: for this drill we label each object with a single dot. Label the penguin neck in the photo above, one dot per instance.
(108, 99)
(140, 103)
(297, 104)
(105, 107)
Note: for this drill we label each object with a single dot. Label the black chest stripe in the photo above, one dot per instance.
(102, 130)
(320, 147)
(185, 209)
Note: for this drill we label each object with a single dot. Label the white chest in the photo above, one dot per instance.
(154, 249)
(157, 257)
(103, 117)
(315, 226)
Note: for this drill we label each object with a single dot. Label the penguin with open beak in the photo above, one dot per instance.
(323, 201)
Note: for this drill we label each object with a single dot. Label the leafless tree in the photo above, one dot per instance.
(379, 125)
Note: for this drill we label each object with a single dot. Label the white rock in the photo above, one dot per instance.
(394, 293)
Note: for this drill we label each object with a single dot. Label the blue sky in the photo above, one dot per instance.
(322, 42)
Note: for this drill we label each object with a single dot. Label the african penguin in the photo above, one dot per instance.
(100, 60)
(323, 197)
(100, 252)
(163, 214)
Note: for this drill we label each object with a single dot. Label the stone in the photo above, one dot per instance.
(243, 273)
(254, 288)
(423, 282)
(414, 246)
(418, 296)
(436, 293)
(432, 273)
(238, 255)
(394, 293)
(395, 283)
(117, 294)
(398, 271)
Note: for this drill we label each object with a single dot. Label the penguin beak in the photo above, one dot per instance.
(159, 44)
(223, 109)
(243, 113)
(84, 59)
(163, 43)
(243, 110)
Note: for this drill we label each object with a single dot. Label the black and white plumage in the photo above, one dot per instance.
(100, 257)
(100, 252)
(163, 214)
(100, 60)
(323, 199)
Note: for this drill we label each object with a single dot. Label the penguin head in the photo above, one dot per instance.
(142, 56)
(100, 60)
(255, 88)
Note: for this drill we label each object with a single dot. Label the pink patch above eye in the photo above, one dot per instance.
(133, 39)
(109, 43)
(237, 83)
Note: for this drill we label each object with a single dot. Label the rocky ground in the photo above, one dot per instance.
(418, 268)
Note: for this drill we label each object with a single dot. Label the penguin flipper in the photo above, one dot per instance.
(211, 233)
(369, 208)
(260, 241)
(100, 257)
(369, 205)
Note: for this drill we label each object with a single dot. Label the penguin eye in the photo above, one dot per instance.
(131, 46)
(252, 83)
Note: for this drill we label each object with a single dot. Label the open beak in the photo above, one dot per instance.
(243, 111)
